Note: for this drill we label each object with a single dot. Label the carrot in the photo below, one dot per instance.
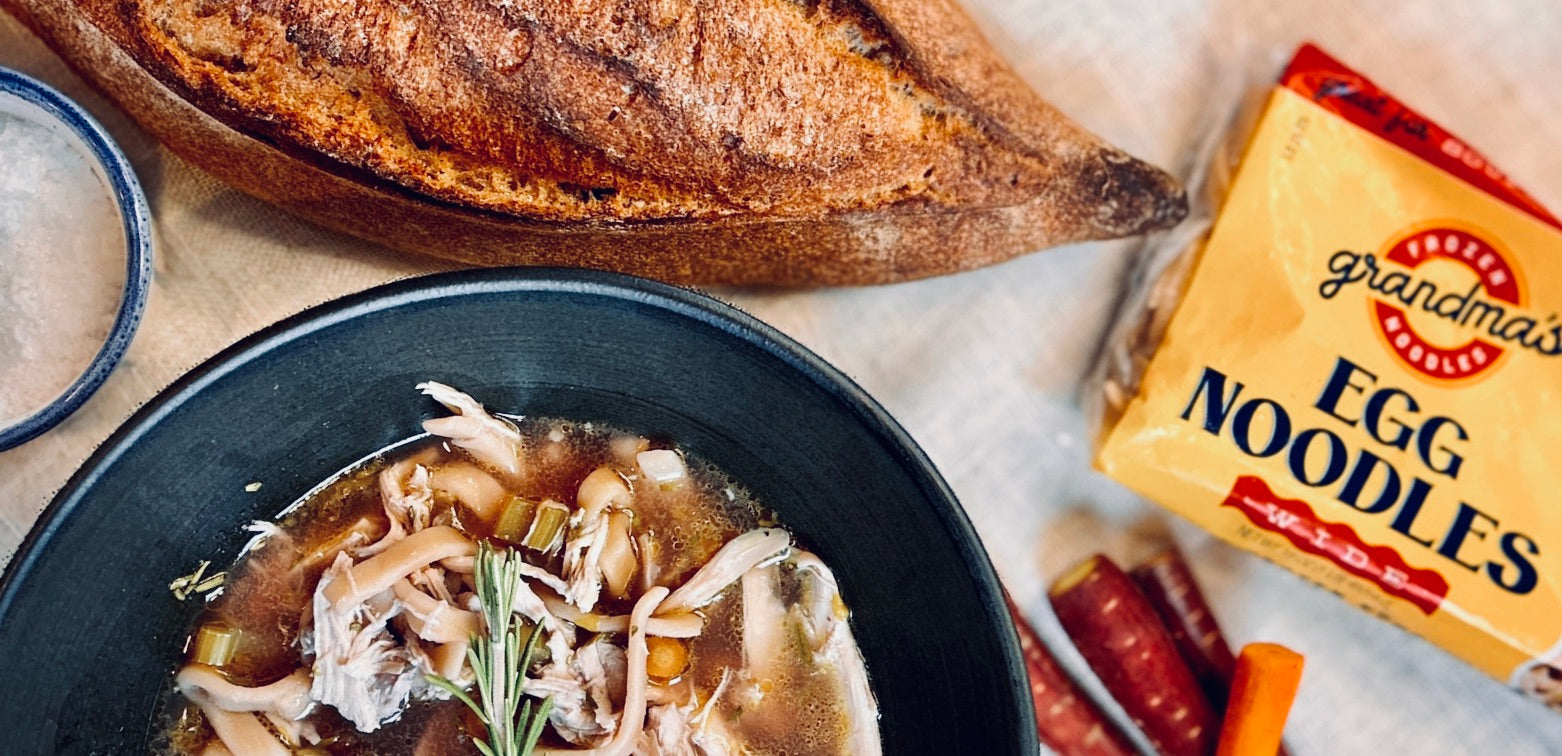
(666, 658)
(1168, 583)
(1262, 690)
(1068, 721)
(1122, 638)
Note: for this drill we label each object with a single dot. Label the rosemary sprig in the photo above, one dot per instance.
(499, 661)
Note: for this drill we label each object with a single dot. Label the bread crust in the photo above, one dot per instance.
(1013, 174)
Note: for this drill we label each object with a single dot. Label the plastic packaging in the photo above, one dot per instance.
(1356, 371)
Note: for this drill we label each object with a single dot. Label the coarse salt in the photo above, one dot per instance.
(62, 265)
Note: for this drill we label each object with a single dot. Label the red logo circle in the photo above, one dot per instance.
(1495, 278)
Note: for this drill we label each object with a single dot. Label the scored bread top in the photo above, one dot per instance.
(644, 110)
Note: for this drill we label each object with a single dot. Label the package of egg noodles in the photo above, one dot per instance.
(1357, 373)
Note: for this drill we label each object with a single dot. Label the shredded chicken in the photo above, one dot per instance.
(560, 636)
(578, 680)
(632, 723)
(602, 492)
(604, 669)
(739, 555)
(674, 729)
(715, 739)
(488, 439)
(824, 621)
(582, 559)
(721, 688)
(572, 716)
(408, 503)
(667, 732)
(765, 626)
(711, 734)
(359, 668)
(545, 577)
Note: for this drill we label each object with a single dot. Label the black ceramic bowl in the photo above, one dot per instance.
(91, 632)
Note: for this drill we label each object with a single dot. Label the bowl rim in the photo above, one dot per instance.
(136, 219)
(685, 302)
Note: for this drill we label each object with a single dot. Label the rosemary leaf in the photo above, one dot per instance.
(499, 660)
(454, 690)
(535, 719)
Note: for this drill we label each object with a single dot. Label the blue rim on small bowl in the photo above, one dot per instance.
(26, 97)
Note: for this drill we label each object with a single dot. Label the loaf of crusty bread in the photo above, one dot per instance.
(706, 141)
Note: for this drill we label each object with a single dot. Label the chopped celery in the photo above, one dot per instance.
(215, 644)
(547, 528)
(514, 520)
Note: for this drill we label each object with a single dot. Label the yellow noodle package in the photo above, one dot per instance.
(1359, 375)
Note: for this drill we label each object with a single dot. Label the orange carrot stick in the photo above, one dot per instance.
(1262, 690)
(1167, 581)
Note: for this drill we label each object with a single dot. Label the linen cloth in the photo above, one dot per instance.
(982, 368)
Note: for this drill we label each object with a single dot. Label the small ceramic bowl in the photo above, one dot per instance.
(28, 99)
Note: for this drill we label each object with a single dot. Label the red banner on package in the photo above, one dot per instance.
(1338, 89)
(1338, 543)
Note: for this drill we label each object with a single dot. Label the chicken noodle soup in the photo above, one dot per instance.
(665, 611)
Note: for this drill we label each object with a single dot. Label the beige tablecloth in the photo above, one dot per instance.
(981, 368)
